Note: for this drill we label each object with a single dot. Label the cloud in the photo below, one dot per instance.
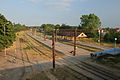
(34, 1)
(59, 4)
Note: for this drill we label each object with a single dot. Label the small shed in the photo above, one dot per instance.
(70, 35)
(79, 36)
(82, 35)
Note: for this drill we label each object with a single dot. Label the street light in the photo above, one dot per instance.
(4, 36)
(100, 31)
(115, 43)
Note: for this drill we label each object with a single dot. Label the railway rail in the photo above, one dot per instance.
(99, 73)
(48, 56)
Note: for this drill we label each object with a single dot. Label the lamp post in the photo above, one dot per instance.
(4, 36)
(5, 45)
(115, 43)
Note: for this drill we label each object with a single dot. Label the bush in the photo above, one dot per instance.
(110, 37)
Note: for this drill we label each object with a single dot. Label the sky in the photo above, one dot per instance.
(37, 12)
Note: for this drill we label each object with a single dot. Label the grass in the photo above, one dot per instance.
(60, 73)
(109, 60)
(63, 74)
(92, 41)
(88, 48)
(35, 75)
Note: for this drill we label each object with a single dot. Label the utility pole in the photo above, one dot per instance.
(32, 31)
(53, 48)
(75, 33)
(56, 34)
(44, 34)
(35, 31)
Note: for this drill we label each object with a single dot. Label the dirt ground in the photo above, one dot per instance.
(25, 55)
(60, 73)
(109, 61)
(24, 52)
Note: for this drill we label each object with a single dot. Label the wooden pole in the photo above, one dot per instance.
(75, 42)
(55, 35)
(53, 48)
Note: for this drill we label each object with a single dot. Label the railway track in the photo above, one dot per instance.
(51, 58)
(85, 47)
(100, 73)
(25, 59)
(40, 48)
(35, 48)
(82, 46)
(37, 66)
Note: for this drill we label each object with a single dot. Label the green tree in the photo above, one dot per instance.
(47, 28)
(90, 22)
(64, 26)
(57, 26)
(19, 27)
(7, 35)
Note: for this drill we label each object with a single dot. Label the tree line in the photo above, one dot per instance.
(90, 23)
